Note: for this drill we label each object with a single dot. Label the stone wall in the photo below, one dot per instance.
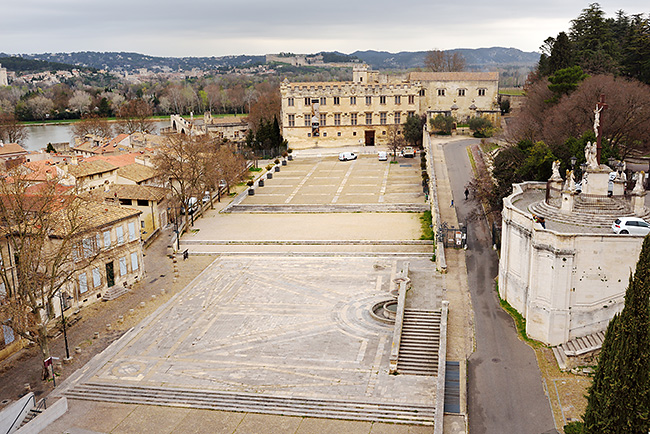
(566, 285)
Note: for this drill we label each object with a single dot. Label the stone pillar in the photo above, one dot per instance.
(566, 207)
(597, 181)
(638, 203)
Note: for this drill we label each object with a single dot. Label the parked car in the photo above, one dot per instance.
(206, 198)
(630, 225)
(192, 205)
(383, 155)
(408, 152)
(345, 156)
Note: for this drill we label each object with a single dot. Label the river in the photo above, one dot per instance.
(41, 135)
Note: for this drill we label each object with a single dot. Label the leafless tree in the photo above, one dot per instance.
(91, 124)
(45, 235)
(442, 61)
(180, 161)
(135, 117)
(80, 101)
(396, 141)
(40, 106)
(11, 131)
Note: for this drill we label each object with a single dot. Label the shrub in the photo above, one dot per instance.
(277, 161)
(442, 124)
(250, 183)
(482, 127)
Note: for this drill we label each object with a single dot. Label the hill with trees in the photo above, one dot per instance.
(480, 59)
(23, 65)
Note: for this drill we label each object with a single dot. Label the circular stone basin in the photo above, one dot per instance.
(390, 309)
(385, 311)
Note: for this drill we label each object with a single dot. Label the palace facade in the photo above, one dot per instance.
(372, 107)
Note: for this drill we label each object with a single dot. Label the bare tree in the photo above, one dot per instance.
(46, 234)
(91, 124)
(135, 117)
(396, 141)
(80, 101)
(11, 131)
(443, 61)
(180, 162)
(39, 106)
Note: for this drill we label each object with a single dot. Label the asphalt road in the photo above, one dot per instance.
(505, 392)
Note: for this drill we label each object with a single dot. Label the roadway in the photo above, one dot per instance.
(505, 392)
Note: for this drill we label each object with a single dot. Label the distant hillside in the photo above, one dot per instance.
(21, 65)
(478, 58)
(118, 61)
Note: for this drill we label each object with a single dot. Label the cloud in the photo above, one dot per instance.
(214, 28)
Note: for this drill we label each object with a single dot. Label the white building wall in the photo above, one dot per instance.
(565, 285)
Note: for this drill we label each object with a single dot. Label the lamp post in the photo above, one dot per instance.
(65, 335)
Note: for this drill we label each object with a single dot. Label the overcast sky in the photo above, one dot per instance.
(218, 27)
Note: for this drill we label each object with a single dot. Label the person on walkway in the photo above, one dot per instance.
(466, 193)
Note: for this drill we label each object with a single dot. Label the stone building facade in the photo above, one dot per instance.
(372, 107)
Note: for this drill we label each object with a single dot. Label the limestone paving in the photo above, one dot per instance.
(298, 327)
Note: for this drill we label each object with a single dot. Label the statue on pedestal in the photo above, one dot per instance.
(591, 150)
(556, 171)
(638, 187)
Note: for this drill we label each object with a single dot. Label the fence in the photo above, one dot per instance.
(452, 237)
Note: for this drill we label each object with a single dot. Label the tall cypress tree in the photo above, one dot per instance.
(619, 397)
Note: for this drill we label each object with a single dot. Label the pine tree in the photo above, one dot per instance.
(619, 397)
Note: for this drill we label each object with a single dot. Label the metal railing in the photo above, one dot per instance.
(42, 405)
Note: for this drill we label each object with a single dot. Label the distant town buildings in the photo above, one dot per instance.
(365, 110)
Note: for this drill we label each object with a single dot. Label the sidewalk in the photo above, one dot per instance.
(460, 327)
(162, 274)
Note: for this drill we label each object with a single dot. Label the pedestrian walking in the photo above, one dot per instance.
(466, 193)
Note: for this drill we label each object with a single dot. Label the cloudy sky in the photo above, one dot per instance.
(219, 27)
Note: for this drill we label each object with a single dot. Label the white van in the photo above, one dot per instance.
(383, 155)
(345, 156)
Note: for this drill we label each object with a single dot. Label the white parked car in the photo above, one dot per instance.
(345, 156)
(383, 155)
(630, 225)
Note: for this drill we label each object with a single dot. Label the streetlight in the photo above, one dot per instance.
(65, 336)
(573, 160)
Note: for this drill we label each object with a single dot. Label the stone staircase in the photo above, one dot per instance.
(30, 415)
(586, 213)
(374, 411)
(577, 347)
(113, 292)
(418, 351)
(331, 208)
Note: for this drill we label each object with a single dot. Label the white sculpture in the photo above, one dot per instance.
(591, 151)
(571, 180)
(555, 176)
(597, 119)
(638, 187)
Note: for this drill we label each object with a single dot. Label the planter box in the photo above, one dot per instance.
(290, 157)
(277, 168)
(251, 191)
(261, 183)
(269, 175)
(284, 162)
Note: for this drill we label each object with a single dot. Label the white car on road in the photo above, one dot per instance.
(630, 225)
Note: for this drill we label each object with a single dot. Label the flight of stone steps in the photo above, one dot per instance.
(577, 347)
(30, 415)
(374, 411)
(585, 214)
(418, 351)
(113, 292)
(331, 208)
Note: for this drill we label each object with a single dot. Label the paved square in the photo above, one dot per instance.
(277, 326)
(326, 180)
